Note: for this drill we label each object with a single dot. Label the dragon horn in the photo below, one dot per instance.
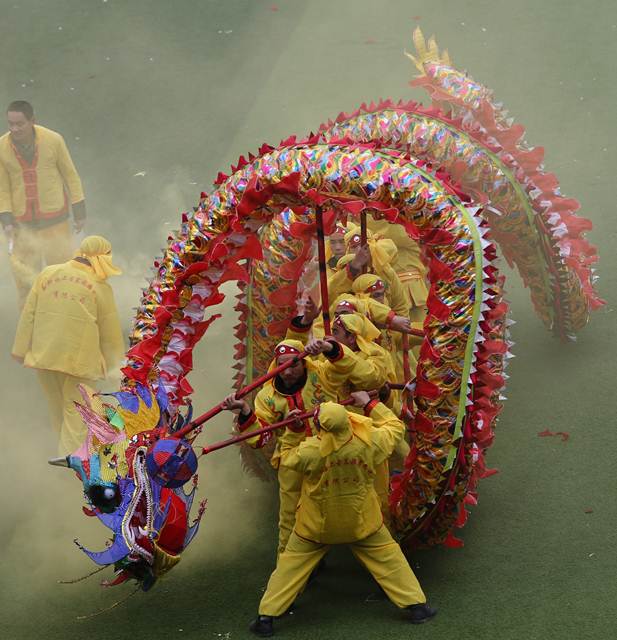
(60, 462)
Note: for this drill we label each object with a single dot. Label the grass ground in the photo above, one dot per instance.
(178, 91)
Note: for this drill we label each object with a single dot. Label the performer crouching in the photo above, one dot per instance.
(339, 505)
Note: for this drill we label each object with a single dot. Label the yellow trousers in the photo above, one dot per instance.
(290, 485)
(35, 248)
(379, 553)
(61, 390)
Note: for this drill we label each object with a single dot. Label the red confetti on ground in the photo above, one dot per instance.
(274, 8)
(564, 434)
(588, 510)
(370, 41)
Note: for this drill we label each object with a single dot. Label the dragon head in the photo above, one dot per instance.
(132, 477)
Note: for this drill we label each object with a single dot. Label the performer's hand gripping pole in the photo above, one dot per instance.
(271, 427)
(239, 394)
(323, 274)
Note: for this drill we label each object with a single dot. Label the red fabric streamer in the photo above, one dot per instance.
(563, 434)
(284, 296)
(436, 307)
(422, 423)
(453, 542)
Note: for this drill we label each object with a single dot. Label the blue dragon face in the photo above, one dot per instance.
(132, 479)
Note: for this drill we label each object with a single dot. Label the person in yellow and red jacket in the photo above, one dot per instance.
(38, 185)
(295, 390)
(338, 505)
(369, 286)
(70, 333)
(407, 264)
(379, 314)
(376, 256)
(359, 334)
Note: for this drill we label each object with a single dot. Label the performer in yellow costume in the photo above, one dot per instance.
(311, 322)
(69, 331)
(335, 249)
(377, 256)
(407, 264)
(339, 505)
(38, 182)
(297, 389)
(368, 286)
(358, 333)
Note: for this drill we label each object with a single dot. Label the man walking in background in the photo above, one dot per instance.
(70, 333)
(38, 181)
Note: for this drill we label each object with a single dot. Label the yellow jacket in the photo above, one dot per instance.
(379, 314)
(339, 503)
(327, 379)
(342, 281)
(70, 323)
(273, 405)
(41, 186)
(407, 263)
(351, 370)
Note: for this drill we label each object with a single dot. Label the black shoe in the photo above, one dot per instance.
(262, 626)
(419, 613)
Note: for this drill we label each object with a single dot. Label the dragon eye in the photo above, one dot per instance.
(106, 499)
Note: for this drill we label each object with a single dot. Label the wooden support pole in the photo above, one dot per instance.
(323, 273)
(363, 234)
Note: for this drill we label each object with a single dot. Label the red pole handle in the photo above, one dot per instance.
(398, 386)
(409, 332)
(323, 274)
(406, 369)
(239, 394)
(271, 427)
(363, 234)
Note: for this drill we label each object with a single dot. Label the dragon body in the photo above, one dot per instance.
(458, 177)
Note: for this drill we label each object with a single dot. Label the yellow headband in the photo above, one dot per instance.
(364, 330)
(97, 250)
(364, 282)
(295, 345)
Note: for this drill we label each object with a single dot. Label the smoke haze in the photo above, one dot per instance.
(153, 99)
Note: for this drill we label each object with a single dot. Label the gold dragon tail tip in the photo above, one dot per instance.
(426, 51)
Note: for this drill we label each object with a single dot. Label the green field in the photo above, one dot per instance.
(176, 91)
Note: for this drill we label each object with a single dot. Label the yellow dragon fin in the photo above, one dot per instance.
(427, 51)
(144, 420)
